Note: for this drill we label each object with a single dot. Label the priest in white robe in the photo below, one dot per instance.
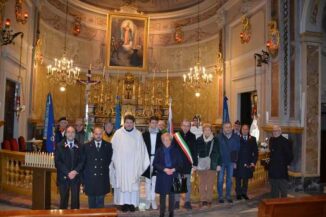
(129, 161)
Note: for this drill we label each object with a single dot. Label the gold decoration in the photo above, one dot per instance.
(77, 26)
(245, 34)
(219, 67)
(20, 16)
(38, 56)
(178, 34)
(273, 42)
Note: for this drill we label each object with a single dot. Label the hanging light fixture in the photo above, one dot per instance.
(6, 34)
(197, 75)
(63, 71)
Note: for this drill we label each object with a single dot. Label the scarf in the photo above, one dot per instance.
(208, 139)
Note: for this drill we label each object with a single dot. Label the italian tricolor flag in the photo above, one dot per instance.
(184, 146)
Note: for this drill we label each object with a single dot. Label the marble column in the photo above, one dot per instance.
(311, 69)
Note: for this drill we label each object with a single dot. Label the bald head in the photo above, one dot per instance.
(277, 131)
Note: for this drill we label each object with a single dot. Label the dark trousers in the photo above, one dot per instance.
(64, 190)
(162, 203)
(279, 188)
(96, 201)
(241, 186)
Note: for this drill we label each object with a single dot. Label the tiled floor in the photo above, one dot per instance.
(236, 209)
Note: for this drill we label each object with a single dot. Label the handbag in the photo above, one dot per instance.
(204, 163)
(179, 184)
(265, 163)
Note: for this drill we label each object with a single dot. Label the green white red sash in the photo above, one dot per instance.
(184, 146)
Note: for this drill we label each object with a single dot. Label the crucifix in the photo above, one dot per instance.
(88, 82)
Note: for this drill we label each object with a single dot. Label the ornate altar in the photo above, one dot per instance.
(142, 96)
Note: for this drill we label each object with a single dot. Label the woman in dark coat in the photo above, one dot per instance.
(168, 164)
(247, 158)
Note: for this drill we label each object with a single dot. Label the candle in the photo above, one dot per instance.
(103, 73)
(52, 160)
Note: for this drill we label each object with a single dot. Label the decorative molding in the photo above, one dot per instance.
(205, 5)
(220, 18)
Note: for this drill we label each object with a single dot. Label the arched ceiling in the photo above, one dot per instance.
(146, 6)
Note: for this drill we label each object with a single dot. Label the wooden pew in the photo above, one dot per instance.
(105, 212)
(310, 206)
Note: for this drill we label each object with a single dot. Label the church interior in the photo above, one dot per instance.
(100, 59)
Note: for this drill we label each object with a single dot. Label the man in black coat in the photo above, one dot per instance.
(69, 164)
(190, 139)
(247, 159)
(97, 159)
(152, 139)
(280, 158)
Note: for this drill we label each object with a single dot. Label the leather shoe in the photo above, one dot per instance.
(245, 197)
(132, 208)
(124, 208)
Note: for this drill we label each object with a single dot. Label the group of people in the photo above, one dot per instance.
(122, 157)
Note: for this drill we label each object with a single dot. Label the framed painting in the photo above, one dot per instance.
(127, 36)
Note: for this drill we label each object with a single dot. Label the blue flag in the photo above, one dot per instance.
(117, 114)
(49, 125)
(226, 117)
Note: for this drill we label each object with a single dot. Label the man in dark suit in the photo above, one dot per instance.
(69, 164)
(96, 180)
(190, 140)
(247, 159)
(280, 158)
(152, 139)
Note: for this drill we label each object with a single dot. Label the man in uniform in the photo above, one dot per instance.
(97, 159)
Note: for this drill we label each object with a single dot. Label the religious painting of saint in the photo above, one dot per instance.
(127, 42)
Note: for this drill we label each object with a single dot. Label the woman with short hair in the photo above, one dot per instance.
(208, 161)
(168, 164)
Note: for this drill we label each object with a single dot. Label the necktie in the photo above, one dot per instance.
(98, 146)
(245, 138)
(71, 145)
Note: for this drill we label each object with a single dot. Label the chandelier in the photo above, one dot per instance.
(197, 76)
(63, 71)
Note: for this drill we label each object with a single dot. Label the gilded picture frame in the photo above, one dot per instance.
(126, 40)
